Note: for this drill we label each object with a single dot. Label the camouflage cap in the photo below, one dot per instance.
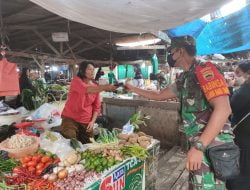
(181, 41)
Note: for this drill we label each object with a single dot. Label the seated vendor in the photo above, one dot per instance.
(83, 104)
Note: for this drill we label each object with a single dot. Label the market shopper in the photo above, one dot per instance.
(240, 104)
(204, 109)
(83, 104)
(24, 83)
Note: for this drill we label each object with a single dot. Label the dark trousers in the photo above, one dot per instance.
(72, 129)
(242, 182)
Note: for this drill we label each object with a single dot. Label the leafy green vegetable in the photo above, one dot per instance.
(6, 166)
(27, 97)
(136, 151)
(106, 136)
(138, 119)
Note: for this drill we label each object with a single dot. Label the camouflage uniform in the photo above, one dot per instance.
(195, 112)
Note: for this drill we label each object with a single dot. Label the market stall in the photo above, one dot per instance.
(34, 157)
(164, 121)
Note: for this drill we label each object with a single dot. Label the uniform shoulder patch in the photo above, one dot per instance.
(211, 80)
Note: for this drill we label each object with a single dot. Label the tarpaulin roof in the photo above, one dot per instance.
(131, 16)
(224, 35)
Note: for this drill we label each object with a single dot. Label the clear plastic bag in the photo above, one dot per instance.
(48, 112)
(61, 146)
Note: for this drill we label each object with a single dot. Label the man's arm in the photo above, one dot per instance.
(100, 88)
(165, 94)
(219, 116)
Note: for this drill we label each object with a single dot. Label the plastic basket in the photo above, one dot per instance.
(19, 153)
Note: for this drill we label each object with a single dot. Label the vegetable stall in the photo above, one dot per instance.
(33, 158)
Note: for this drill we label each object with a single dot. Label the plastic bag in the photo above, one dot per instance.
(45, 111)
(128, 128)
(61, 146)
(9, 74)
(50, 113)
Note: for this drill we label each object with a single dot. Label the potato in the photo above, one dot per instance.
(133, 135)
(123, 136)
(144, 144)
(132, 140)
(141, 134)
(122, 142)
(144, 138)
(128, 143)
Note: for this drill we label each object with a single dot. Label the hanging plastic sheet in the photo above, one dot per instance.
(131, 16)
(224, 35)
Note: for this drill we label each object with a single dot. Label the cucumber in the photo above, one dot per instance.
(74, 143)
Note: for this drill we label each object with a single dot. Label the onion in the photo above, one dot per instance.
(62, 174)
(52, 177)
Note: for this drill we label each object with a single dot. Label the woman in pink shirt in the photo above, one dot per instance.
(83, 104)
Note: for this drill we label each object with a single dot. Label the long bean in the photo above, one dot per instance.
(7, 165)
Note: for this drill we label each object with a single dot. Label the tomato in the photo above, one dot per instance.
(31, 169)
(36, 158)
(45, 159)
(27, 159)
(17, 170)
(38, 172)
(39, 166)
(31, 163)
(56, 161)
(47, 164)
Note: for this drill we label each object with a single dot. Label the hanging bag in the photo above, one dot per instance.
(9, 79)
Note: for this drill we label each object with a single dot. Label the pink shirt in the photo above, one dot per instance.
(81, 105)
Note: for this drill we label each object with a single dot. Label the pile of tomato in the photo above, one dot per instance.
(38, 163)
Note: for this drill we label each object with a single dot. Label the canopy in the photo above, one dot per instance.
(131, 16)
(225, 35)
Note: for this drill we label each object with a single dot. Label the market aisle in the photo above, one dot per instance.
(171, 173)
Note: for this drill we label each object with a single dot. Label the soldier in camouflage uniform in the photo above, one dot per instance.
(203, 95)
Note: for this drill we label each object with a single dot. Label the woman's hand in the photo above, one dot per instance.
(90, 126)
(110, 88)
(194, 159)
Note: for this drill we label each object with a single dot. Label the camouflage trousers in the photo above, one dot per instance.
(204, 179)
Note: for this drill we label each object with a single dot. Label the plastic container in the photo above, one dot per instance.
(21, 152)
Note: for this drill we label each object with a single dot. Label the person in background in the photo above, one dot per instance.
(240, 104)
(111, 75)
(24, 83)
(239, 77)
(204, 113)
(138, 79)
(99, 74)
(83, 104)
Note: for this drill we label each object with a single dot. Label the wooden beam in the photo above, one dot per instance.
(142, 47)
(45, 19)
(29, 48)
(72, 53)
(162, 35)
(47, 42)
(19, 10)
(36, 61)
(91, 43)
(61, 48)
(20, 27)
(72, 47)
(91, 47)
(55, 58)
